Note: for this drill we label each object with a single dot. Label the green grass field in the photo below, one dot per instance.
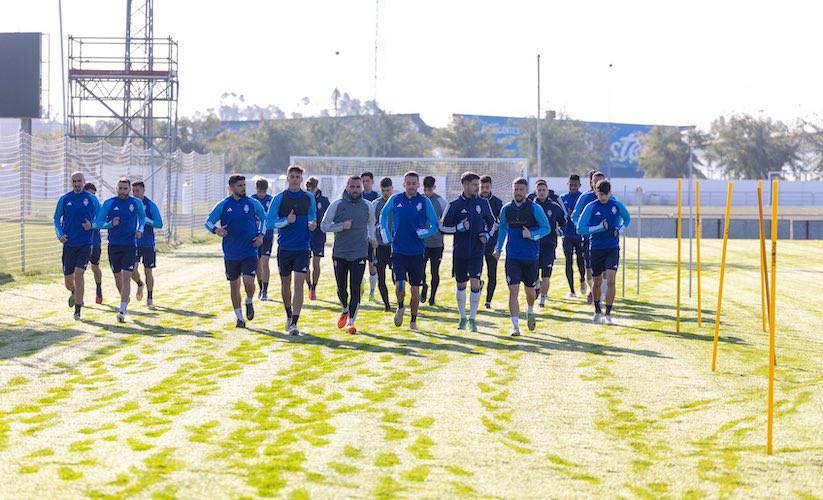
(177, 403)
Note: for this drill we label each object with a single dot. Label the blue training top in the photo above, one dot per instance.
(595, 214)
(266, 202)
(294, 236)
(413, 220)
(72, 210)
(475, 212)
(569, 200)
(132, 219)
(513, 218)
(153, 221)
(244, 219)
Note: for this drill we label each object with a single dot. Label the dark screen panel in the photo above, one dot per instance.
(20, 75)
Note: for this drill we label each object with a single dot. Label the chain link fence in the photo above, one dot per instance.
(36, 171)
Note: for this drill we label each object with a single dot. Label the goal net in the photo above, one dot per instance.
(332, 172)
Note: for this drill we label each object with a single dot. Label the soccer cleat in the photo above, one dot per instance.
(249, 311)
(293, 331)
(589, 298)
(607, 319)
(398, 316)
(488, 305)
(515, 333)
(121, 318)
(342, 320)
(531, 321)
(424, 293)
(240, 324)
(386, 309)
(139, 294)
(431, 302)
(413, 325)
(71, 300)
(77, 316)
(462, 324)
(596, 318)
(351, 330)
(312, 294)
(98, 299)
(473, 325)
(264, 296)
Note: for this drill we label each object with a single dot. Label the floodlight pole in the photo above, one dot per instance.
(539, 159)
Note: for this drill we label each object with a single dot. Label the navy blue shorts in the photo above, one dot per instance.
(94, 258)
(587, 258)
(407, 268)
(122, 258)
(605, 260)
(546, 261)
(521, 271)
(265, 248)
(466, 269)
(383, 255)
(318, 245)
(246, 267)
(572, 243)
(75, 257)
(289, 261)
(148, 256)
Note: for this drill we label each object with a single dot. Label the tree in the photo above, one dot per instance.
(746, 147)
(665, 153)
(467, 138)
(566, 146)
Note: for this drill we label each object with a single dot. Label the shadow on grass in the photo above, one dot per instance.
(309, 339)
(136, 327)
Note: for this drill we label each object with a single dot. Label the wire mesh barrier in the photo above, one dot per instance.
(36, 171)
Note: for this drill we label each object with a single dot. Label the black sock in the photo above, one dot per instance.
(149, 293)
(99, 289)
(413, 318)
(597, 306)
(400, 304)
(288, 312)
(265, 286)
(294, 319)
(77, 308)
(608, 308)
(260, 285)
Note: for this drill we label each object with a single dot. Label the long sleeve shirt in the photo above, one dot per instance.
(131, 216)
(243, 219)
(603, 223)
(513, 219)
(413, 220)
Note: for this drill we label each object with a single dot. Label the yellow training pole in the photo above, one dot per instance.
(697, 238)
(679, 236)
(764, 272)
(772, 310)
(722, 271)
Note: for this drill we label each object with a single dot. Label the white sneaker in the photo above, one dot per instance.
(608, 319)
(121, 318)
(398, 316)
(596, 318)
(150, 303)
(572, 296)
(294, 331)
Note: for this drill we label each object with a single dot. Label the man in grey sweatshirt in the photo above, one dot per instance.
(351, 219)
(434, 243)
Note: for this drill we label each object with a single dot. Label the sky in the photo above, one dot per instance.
(651, 62)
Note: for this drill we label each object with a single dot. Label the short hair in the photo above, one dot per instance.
(124, 179)
(486, 179)
(591, 173)
(468, 177)
(385, 182)
(235, 178)
(139, 183)
(77, 172)
(604, 187)
(598, 172)
(354, 178)
(261, 183)
(521, 180)
(411, 173)
(541, 182)
(574, 177)
(294, 168)
(90, 186)
(367, 174)
(312, 182)
(428, 181)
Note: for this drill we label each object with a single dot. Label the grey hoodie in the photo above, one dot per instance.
(352, 243)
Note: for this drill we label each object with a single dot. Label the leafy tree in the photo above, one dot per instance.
(749, 148)
(566, 146)
(467, 138)
(666, 153)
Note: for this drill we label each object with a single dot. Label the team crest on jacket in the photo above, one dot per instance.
(86, 202)
(246, 208)
(477, 208)
(419, 207)
(131, 207)
(614, 210)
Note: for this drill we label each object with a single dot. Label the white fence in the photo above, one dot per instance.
(35, 172)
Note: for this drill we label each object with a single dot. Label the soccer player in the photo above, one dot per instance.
(582, 201)
(73, 223)
(548, 245)
(370, 195)
(496, 205)
(146, 251)
(413, 220)
(294, 215)
(243, 227)
(434, 243)
(125, 218)
(351, 218)
(262, 195)
(96, 250)
(573, 242)
(522, 224)
(469, 217)
(382, 254)
(318, 237)
(603, 220)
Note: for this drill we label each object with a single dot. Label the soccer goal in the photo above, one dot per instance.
(332, 171)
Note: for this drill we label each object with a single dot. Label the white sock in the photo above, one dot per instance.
(372, 283)
(123, 307)
(351, 320)
(346, 310)
(460, 294)
(531, 309)
(603, 286)
(474, 303)
(239, 313)
(249, 300)
(515, 322)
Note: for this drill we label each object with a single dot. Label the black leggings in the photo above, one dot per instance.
(382, 261)
(570, 246)
(491, 266)
(349, 276)
(435, 256)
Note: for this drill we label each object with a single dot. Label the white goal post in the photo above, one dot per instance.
(332, 171)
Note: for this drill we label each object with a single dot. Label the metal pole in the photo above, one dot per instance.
(639, 193)
(691, 179)
(625, 188)
(539, 159)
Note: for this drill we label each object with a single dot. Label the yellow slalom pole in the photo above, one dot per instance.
(764, 272)
(772, 314)
(679, 237)
(722, 272)
(697, 238)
